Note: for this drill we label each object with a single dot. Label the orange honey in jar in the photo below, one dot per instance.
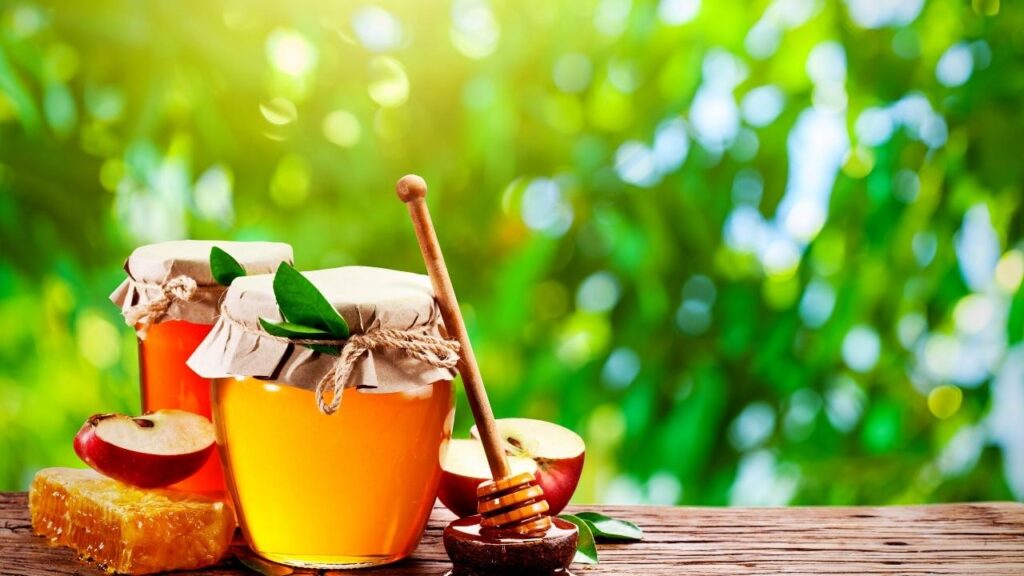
(322, 488)
(351, 489)
(168, 383)
(172, 299)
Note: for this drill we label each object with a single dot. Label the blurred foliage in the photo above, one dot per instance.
(756, 253)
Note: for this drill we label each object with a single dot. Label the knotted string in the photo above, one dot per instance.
(426, 348)
(419, 344)
(142, 316)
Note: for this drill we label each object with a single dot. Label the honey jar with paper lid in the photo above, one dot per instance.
(332, 441)
(172, 298)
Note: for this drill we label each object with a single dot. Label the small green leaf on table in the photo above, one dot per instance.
(224, 267)
(606, 527)
(301, 303)
(586, 548)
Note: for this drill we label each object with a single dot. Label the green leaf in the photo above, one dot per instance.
(607, 527)
(300, 332)
(1015, 320)
(14, 88)
(224, 267)
(290, 330)
(301, 303)
(586, 548)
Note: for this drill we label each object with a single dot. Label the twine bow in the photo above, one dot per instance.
(143, 315)
(427, 348)
(420, 344)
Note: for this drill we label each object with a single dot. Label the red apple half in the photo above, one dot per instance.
(149, 451)
(557, 454)
(464, 468)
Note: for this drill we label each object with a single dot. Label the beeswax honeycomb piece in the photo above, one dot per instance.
(129, 530)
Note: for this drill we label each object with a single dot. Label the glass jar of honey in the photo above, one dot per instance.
(325, 488)
(172, 300)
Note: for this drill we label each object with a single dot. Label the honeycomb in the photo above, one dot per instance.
(128, 530)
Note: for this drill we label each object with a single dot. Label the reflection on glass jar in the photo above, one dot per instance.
(351, 489)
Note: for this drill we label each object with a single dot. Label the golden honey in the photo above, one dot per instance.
(342, 491)
(168, 383)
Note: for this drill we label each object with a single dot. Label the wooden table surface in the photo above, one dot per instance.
(939, 539)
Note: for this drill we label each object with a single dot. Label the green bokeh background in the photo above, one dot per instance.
(754, 252)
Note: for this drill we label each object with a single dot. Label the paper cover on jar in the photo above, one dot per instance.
(369, 299)
(173, 280)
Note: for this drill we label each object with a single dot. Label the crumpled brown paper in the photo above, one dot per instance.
(150, 267)
(368, 299)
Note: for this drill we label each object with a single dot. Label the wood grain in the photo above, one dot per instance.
(941, 539)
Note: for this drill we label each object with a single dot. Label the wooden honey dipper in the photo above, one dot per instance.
(513, 511)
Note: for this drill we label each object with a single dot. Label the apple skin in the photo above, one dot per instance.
(556, 453)
(132, 467)
(465, 468)
(458, 493)
(558, 479)
(559, 454)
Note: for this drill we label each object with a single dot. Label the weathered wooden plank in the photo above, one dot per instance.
(940, 539)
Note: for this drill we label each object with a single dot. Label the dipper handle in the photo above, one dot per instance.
(412, 190)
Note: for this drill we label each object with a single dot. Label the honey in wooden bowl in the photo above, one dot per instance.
(477, 552)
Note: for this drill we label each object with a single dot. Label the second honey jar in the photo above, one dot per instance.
(171, 298)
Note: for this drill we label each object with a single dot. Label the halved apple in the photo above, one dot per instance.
(149, 451)
(464, 468)
(556, 454)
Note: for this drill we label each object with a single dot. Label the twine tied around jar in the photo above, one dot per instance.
(426, 348)
(420, 344)
(143, 315)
